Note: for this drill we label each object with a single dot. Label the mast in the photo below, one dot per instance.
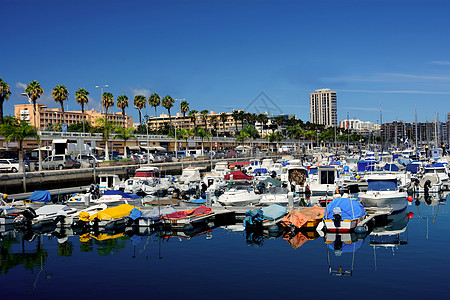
(416, 125)
(381, 128)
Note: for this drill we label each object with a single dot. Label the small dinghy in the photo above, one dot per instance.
(266, 217)
(343, 215)
(45, 216)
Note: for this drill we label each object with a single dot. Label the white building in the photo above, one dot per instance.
(323, 107)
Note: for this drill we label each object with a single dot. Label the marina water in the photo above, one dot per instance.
(225, 263)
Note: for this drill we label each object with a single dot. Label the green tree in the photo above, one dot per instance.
(184, 107)
(81, 97)
(154, 100)
(223, 118)
(122, 103)
(18, 131)
(275, 137)
(204, 115)
(213, 121)
(167, 103)
(60, 94)
(193, 115)
(140, 102)
(125, 135)
(34, 91)
(4, 95)
(202, 133)
(107, 102)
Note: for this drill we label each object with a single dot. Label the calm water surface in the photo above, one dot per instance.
(407, 258)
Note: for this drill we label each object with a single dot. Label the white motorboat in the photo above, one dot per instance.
(324, 182)
(278, 195)
(383, 191)
(239, 195)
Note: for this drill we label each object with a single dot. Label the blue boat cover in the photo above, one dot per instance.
(135, 213)
(273, 212)
(350, 209)
(197, 201)
(253, 217)
(40, 196)
(366, 165)
(391, 167)
(260, 170)
(413, 168)
(125, 195)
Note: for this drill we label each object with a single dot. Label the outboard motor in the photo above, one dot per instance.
(273, 174)
(261, 188)
(24, 220)
(337, 215)
(426, 189)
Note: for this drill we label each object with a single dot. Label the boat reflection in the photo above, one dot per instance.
(339, 244)
(428, 207)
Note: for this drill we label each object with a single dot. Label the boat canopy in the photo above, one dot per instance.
(238, 175)
(391, 167)
(382, 185)
(366, 165)
(350, 209)
(40, 196)
(124, 195)
(413, 168)
(117, 212)
(273, 212)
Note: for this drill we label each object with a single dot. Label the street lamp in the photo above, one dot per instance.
(38, 131)
(101, 95)
(175, 129)
(148, 146)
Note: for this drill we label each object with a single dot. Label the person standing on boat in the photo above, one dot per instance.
(444, 153)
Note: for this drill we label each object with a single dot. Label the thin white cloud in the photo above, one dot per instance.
(21, 85)
(93, 105)
(440, 63)
(361, 108)
(387, 77)
(138, 91)
(397, 92)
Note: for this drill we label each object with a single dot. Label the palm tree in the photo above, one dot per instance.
(107, 102)
(236, 117)
(18, 130)
(125, 135)
(140, 102)
(184, 108)
(204, 114)
(223, 118)
(105, 127)
(81, 97)
(34, 91)
(193, 115)
(214, 121)
(167, 103)
(122, 103)
(60, 94)
(274, 137)
(4, 95)
(295, 132)
(310, 134)
(202, 133)
(241, 115)
(154, 100)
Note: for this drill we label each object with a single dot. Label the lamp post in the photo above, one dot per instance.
(148, 146)
(175, 130)
(101, 95)
(38, 132)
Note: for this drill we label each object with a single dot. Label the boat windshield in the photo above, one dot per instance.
(382, 185)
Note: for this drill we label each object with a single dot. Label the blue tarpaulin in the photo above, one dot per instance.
(413, 168)
(391, 167)
(366, 165)
(273, 212)
(260, 170)
(350, 209)
(124, 195)
(40, 196)
(135, 213)
(197, 201)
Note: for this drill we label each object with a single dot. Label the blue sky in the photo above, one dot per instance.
(220, 55)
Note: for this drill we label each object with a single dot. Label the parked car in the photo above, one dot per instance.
(9, 165)
(60, 161)
(86, 160)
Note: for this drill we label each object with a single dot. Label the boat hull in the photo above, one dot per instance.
(396, 200)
